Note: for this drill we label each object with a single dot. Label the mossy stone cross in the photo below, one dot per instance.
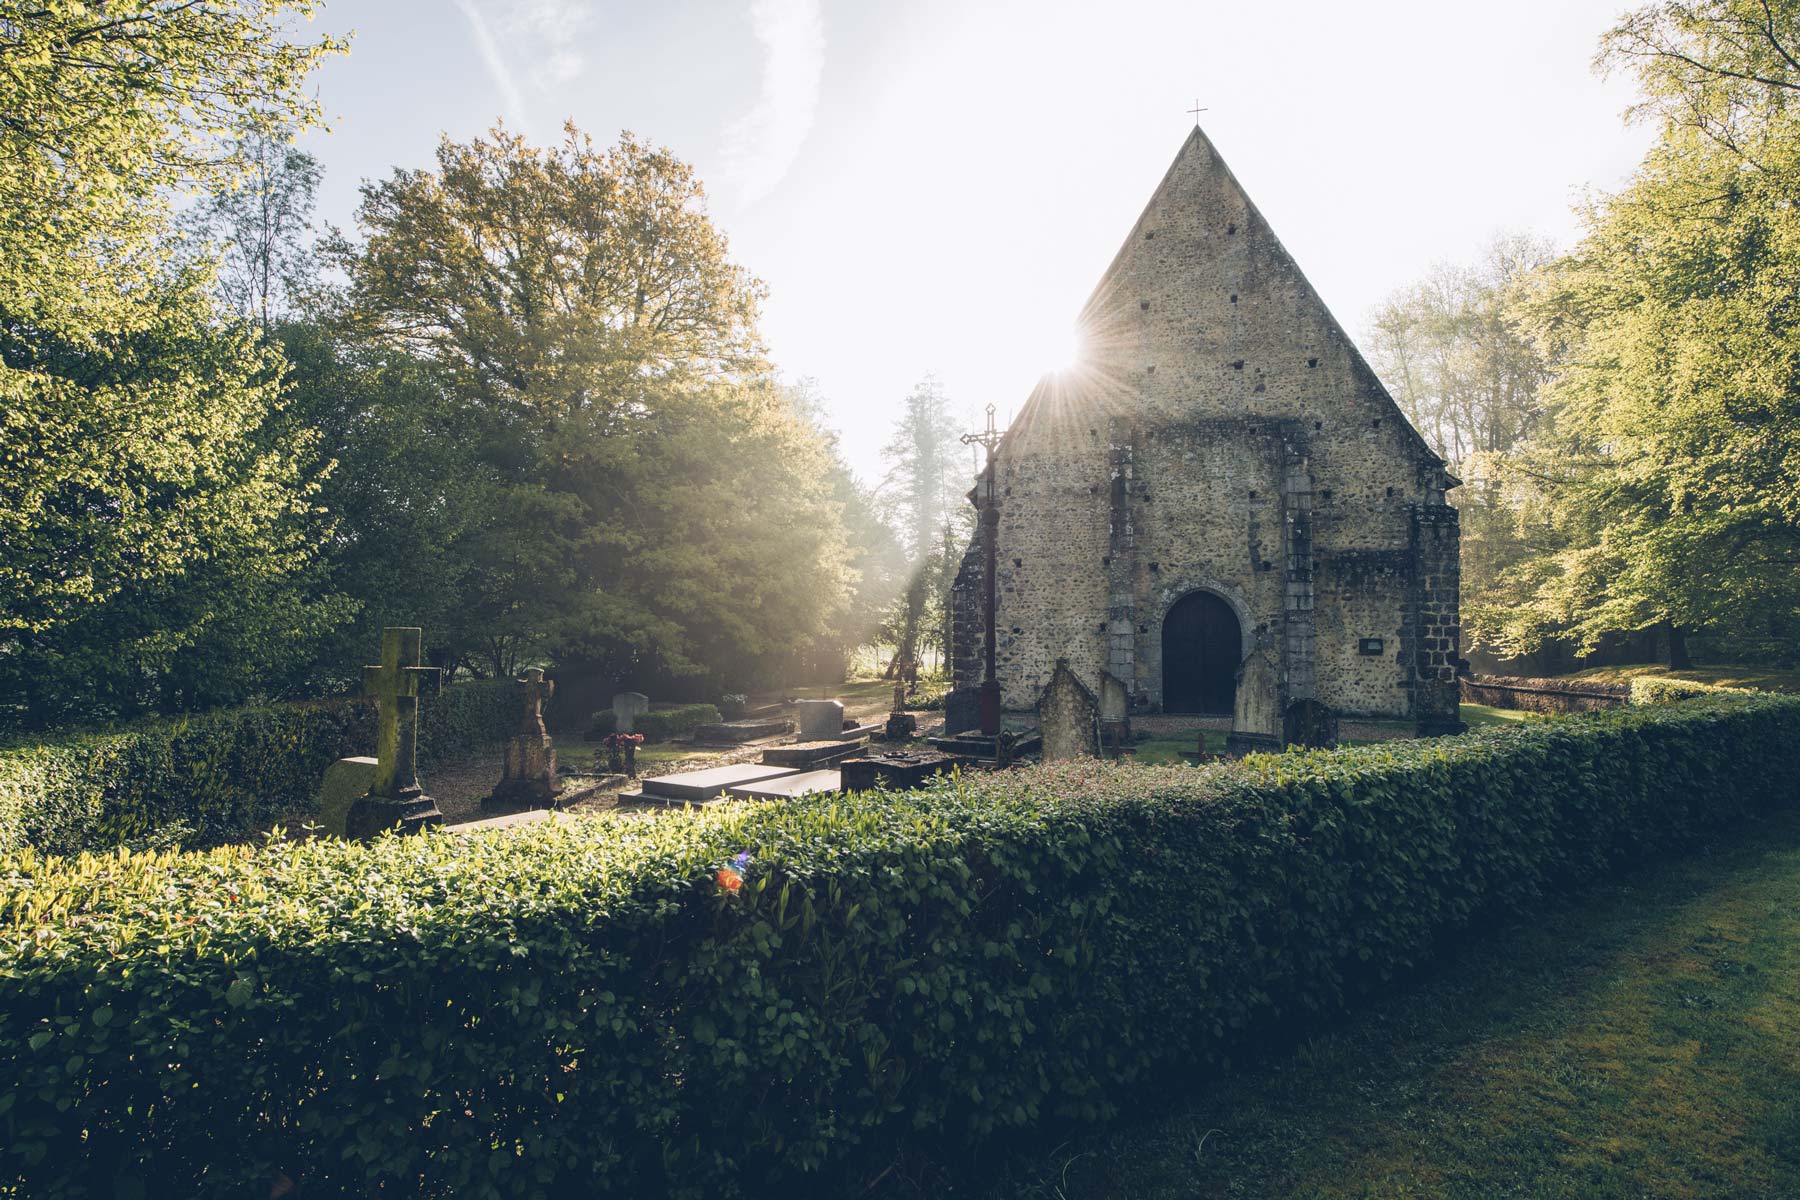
(395, 686)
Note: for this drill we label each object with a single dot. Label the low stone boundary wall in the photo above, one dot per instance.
(1543, 695)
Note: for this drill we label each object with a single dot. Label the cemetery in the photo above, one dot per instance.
(535, 666)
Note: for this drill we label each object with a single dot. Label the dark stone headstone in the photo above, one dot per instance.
(893, 769)
(962, 711)
(1310, 723)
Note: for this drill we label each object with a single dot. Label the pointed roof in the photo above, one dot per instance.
(1222, 235)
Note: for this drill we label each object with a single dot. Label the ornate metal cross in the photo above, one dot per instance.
(987, 439)
(395, 685)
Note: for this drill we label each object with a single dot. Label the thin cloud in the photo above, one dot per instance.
(554, 31)
(495, 62)
(763, 143)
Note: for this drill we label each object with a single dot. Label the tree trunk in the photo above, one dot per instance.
(1679, 660)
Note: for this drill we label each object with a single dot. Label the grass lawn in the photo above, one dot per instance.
(1769, 679)
(1642, 1041)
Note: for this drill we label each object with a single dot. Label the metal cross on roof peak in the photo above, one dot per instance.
(1196, 111)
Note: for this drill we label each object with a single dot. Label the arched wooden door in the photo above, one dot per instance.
(1202, 645)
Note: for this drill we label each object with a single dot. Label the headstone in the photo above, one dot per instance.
(1069, 716)
(900, 726)
(819, 719)
(1256, 716)
(528, 780)
(1310, 723)
(962, 711)
(346, 781)
(1115, 713)
(395, 800)
(895, 769)
(627, 708)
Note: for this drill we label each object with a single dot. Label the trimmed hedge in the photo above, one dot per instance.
(1659, 689)
(607, 1008)
(214, 777)
(660, 724)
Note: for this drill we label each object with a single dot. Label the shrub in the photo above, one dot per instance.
(214, 777)
(1660, 689)
(629, 1008)
(659, 724)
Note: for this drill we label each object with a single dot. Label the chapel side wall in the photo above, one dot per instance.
(1052, 588)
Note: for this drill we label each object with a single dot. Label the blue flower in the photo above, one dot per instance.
(741, 858)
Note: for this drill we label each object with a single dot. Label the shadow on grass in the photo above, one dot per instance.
(1641, 1039)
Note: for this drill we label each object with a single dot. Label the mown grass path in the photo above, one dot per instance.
(1642, 1040)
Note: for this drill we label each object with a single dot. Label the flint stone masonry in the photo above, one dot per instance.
(1222, 435)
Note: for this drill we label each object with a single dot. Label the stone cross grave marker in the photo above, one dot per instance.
(627, 708)
(528, 778)
(395, 799)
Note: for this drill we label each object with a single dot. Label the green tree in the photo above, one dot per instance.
(1668, 470)
(157, 536)
(256, 228)
(919, 495)
(656, 505)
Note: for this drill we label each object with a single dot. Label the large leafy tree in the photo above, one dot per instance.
(656, 506)
(1670, 472)
(156, 534)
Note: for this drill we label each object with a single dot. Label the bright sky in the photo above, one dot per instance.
(936, 185)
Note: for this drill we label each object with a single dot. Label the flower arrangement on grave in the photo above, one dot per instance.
(621, 752)
(730, 877)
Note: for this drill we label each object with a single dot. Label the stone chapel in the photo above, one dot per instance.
(1220, 506)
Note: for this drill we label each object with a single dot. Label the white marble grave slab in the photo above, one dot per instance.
(786, 787)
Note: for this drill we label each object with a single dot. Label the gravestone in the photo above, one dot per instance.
(895, 769)
(1068, 716)
(819, 719)
(346, 781)
(627, 708)
(962, 711)
(1256, 714)
(1311, 724)
(395, 800)
(1115, 712)
(528, 779)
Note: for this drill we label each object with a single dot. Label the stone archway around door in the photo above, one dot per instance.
(1202, 646)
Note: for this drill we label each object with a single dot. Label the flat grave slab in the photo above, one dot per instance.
(513, 820)
(732, 733)
(786, 787)
(809, 754)
(705, 785)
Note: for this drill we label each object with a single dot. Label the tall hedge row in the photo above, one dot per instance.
(213, 777)
(775, 1000)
